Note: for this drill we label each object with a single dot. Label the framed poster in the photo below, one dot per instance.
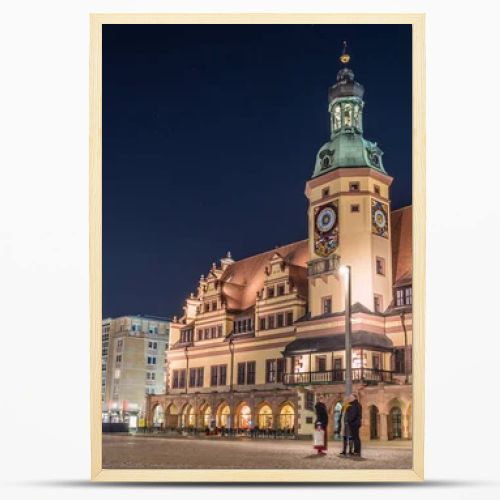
(297, 355)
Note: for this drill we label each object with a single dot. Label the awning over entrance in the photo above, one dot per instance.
(336, 342)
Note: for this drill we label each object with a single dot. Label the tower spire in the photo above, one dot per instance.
(344, 57)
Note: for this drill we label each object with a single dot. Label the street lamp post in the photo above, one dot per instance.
(346, 271)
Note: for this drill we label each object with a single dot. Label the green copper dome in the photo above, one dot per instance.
(347, 147)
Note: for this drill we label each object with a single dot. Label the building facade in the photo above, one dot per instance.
(133, 365)
(262, 337)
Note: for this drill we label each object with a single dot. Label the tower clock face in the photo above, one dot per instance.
(379, 218)
(326, 219)
(326, 229)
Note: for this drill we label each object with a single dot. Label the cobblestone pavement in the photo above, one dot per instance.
(140, 452)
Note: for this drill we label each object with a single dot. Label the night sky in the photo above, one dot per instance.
(210, 133)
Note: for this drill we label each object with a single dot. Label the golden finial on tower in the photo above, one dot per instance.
(344, 57)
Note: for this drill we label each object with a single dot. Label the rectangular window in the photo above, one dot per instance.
(281, 290)
(241, 373)
(377, 303)
(326, 307)
(119, 344)
(200, 334)
(219, 331)
(376, 189)
(325, 192)
(207, 333)
(279, 320)
(309, 401)
(270, 322)
(249, 324)
(196, 377)
(153, 330)
(380, 266)
(408, 296)
(274, 370)
(214, 305)
(353, 186)
(213, 332)
(270, 292)
(213, 376)
(399, 360)
(280, 369)
(262, 324)
(289, 318)
(119, 358)
(251, 372)
(178, 379)
(321, 363)
(399, 297)
(207, 307)
(355, 208)
(222, 374)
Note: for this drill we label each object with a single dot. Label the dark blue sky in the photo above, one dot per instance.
(210, 133)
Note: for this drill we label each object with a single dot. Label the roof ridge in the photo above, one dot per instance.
(267, 251)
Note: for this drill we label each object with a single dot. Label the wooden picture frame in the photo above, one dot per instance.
(418, 190)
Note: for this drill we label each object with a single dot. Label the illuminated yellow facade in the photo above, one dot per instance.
(262, 337)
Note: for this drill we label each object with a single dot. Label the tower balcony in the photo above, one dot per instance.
(367, 376)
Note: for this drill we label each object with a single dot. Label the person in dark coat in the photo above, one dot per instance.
(353, 417)
(343, 430)
(321, 423)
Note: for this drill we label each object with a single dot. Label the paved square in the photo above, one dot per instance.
(157, 452)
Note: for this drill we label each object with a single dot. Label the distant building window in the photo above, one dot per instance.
(136, 327)
(119, 344)
(270, 292)
(326, 306)
(355, 208)
(377, 303)
(281, 290)
(151, 375)
(380, 266)
(325, 192)
(151, 360)
(153, 330)
(119, 358)
(153, 345)
(354, 186)
(289, 318)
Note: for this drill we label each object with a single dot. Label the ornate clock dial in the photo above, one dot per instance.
(326, 219)
(379, 218)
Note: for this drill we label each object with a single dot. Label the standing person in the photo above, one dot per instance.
(321, 423)
(353, 417)
(343, 429)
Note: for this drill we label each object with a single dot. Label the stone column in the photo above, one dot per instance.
(383, 427)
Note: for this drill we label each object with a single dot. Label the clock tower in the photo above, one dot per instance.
(349, 208)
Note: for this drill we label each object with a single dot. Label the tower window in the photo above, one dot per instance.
(325, 163)
(380, 266)
(336, 117)
(354, 186)
(377, 303)
(376, 189)
(348, 115)
(325, 192)
(326, 305)
(354, 208)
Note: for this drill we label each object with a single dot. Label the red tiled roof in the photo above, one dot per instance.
(402, 263)
(243, 279)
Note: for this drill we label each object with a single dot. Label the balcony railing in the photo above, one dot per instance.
(363, 375)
